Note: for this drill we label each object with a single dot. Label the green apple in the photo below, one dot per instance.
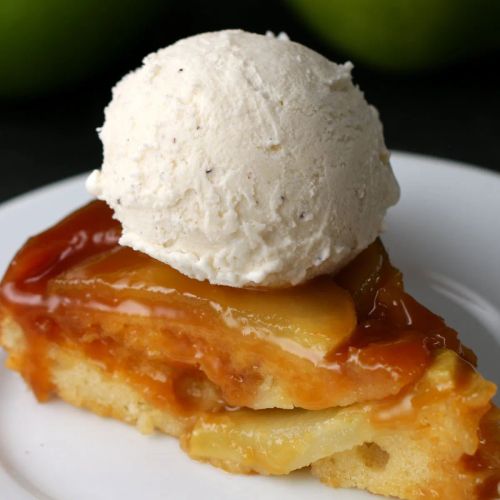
(404, 35)
(47, 43)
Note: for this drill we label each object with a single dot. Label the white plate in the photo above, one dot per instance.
(444, 234)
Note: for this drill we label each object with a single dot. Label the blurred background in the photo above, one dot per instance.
(429, 66)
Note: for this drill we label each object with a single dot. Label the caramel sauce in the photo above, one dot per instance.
(387, 314)
(41, 258)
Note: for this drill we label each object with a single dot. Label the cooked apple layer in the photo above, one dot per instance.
(330, 342)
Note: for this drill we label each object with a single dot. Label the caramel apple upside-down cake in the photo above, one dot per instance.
(229, 286)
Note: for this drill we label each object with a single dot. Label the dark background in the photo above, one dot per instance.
(452, 112)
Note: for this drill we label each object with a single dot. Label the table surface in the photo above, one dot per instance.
(452, 113)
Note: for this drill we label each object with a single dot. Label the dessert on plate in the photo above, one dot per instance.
(229, 286)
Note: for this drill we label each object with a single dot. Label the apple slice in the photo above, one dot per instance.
(310, 320)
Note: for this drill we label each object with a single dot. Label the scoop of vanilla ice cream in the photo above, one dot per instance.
(245, 160)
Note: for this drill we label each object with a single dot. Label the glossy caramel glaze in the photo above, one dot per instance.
(23, 292)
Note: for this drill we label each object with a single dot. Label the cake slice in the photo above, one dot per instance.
(349, 375)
